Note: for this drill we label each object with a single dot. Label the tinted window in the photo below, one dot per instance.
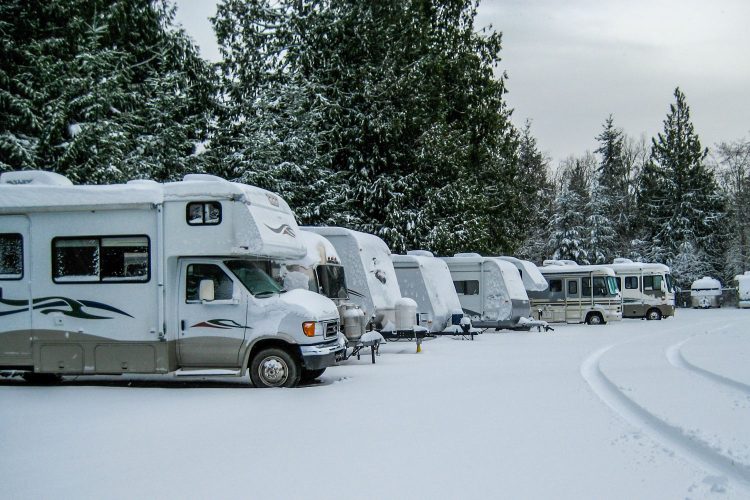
(206, 213)
(11, 256)
(223, 286)
(100, 259)
(631, 282)
(555, 286)
(652, 283)
(469, 287)
(600, 287)
(573, 287)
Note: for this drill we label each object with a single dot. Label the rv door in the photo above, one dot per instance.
(573, 306)
(212, 325)
(15, 290)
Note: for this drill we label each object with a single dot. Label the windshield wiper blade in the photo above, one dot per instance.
(265, 293)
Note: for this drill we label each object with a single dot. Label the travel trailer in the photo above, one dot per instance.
(647, 289)
(321, 271)
(577, 294)
(705, 293)
(427, 280)
(743, 290)
(533, 281)
(372, 282)
(154, 278)
(491, 291)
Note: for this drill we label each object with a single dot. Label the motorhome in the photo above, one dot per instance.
(372, 282)
(705, 293)
(647, 289)
(427, 280)
(577, 294)
(743, 290)
(154, 278)
(490, 290)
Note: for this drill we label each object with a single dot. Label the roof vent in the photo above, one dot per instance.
(621, 260)
(202, 178)
(420, 253)
(467, 255)
(36, 177)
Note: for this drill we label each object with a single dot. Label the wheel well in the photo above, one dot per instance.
(594, 313)
(292, 349)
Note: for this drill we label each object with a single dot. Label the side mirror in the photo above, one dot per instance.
(206, 290)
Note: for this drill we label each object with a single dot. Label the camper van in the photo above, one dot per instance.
(705, 293)
(372, 282)
(647, 289)
(743, 290)
(154, 278)
(427, 280)
(490, 290)
(577, 294)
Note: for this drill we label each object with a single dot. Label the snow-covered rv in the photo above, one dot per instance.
(490, 290)
(532, 279)
(371, 281)
(647, 289)
(743, 290)
(577, 294)
(705, 293)
(427, 280)
(154, 278)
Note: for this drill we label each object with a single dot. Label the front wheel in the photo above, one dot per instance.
(653, 315)
(310, 375)
(274, 368)
(594, 319)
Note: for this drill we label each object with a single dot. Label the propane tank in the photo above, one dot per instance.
(353, 318)
(406, 314)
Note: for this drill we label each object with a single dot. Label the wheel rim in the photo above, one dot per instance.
(595, 320)
(653, 315)
(273, 371)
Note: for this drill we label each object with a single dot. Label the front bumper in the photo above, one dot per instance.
(315, 357)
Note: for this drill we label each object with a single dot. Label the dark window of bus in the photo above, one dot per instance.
(555, 286)
(600, 287)
(206, 213)
(619, 283)
(573, 287)
(586, 287)
(469, 287)
(11, 257)
(631, 282)
(651, 283)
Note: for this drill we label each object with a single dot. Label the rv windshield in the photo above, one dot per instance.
(332, 281)
(257, 281)
(612, 285)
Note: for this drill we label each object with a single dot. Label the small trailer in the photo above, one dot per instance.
(705, 293)
(427, 280)
(372, 283)
(154, 278)
(491, 292)
(743, 290)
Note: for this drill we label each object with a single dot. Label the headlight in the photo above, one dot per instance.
(312, 328)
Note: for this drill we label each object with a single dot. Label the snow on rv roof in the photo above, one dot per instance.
(566, 268)
(626, 265)
(319, 250)
(706, 283)
(530, 275)
(436, 277)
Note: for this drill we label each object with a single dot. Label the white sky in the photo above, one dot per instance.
(572, 63)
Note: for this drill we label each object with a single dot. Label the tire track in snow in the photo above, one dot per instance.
(678, 360)
(697, 451)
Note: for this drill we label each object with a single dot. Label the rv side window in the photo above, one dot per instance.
(586, 287)
(11, 257)
(619, 283)
(469, 287)
(573, 287)
(600, 287)
(206, 213)
(106, 259)
(223, 286)
(631, 282)
(555, 286)
(652, 283)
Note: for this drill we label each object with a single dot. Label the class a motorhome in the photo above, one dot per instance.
(577, 294)
(320, 270)
(705, 293)
(743, 290)
(154, 278)
(427, 280)
(647, 289)
(490, 290)
(371, 280)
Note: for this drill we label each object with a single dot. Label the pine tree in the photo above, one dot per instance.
(568, 233)
(733, 166)
(614, 185)
(678, 195)
(601, 242)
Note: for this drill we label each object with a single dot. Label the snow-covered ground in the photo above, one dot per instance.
(636, 409)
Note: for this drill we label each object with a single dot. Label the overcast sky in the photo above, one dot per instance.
(572, 63)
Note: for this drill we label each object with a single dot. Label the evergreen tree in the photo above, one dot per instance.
(100, 91)
(733, 164)
(601, 244)
(568, 232)
(613, 186)
(678, 194)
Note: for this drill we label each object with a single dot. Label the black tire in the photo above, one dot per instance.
(310, 375)
(42, 378)
(653, 314)
(594, 319)
(274, 367)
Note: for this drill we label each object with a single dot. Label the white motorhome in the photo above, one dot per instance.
(372, 282)
(491, 291)
(647, 289)
(705, 293)
(578, 294)
(427, 280)
(743, 290)
(154, 278)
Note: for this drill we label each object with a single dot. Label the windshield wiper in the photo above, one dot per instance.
(265, 293)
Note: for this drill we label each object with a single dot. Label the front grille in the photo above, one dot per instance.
(332, 330)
